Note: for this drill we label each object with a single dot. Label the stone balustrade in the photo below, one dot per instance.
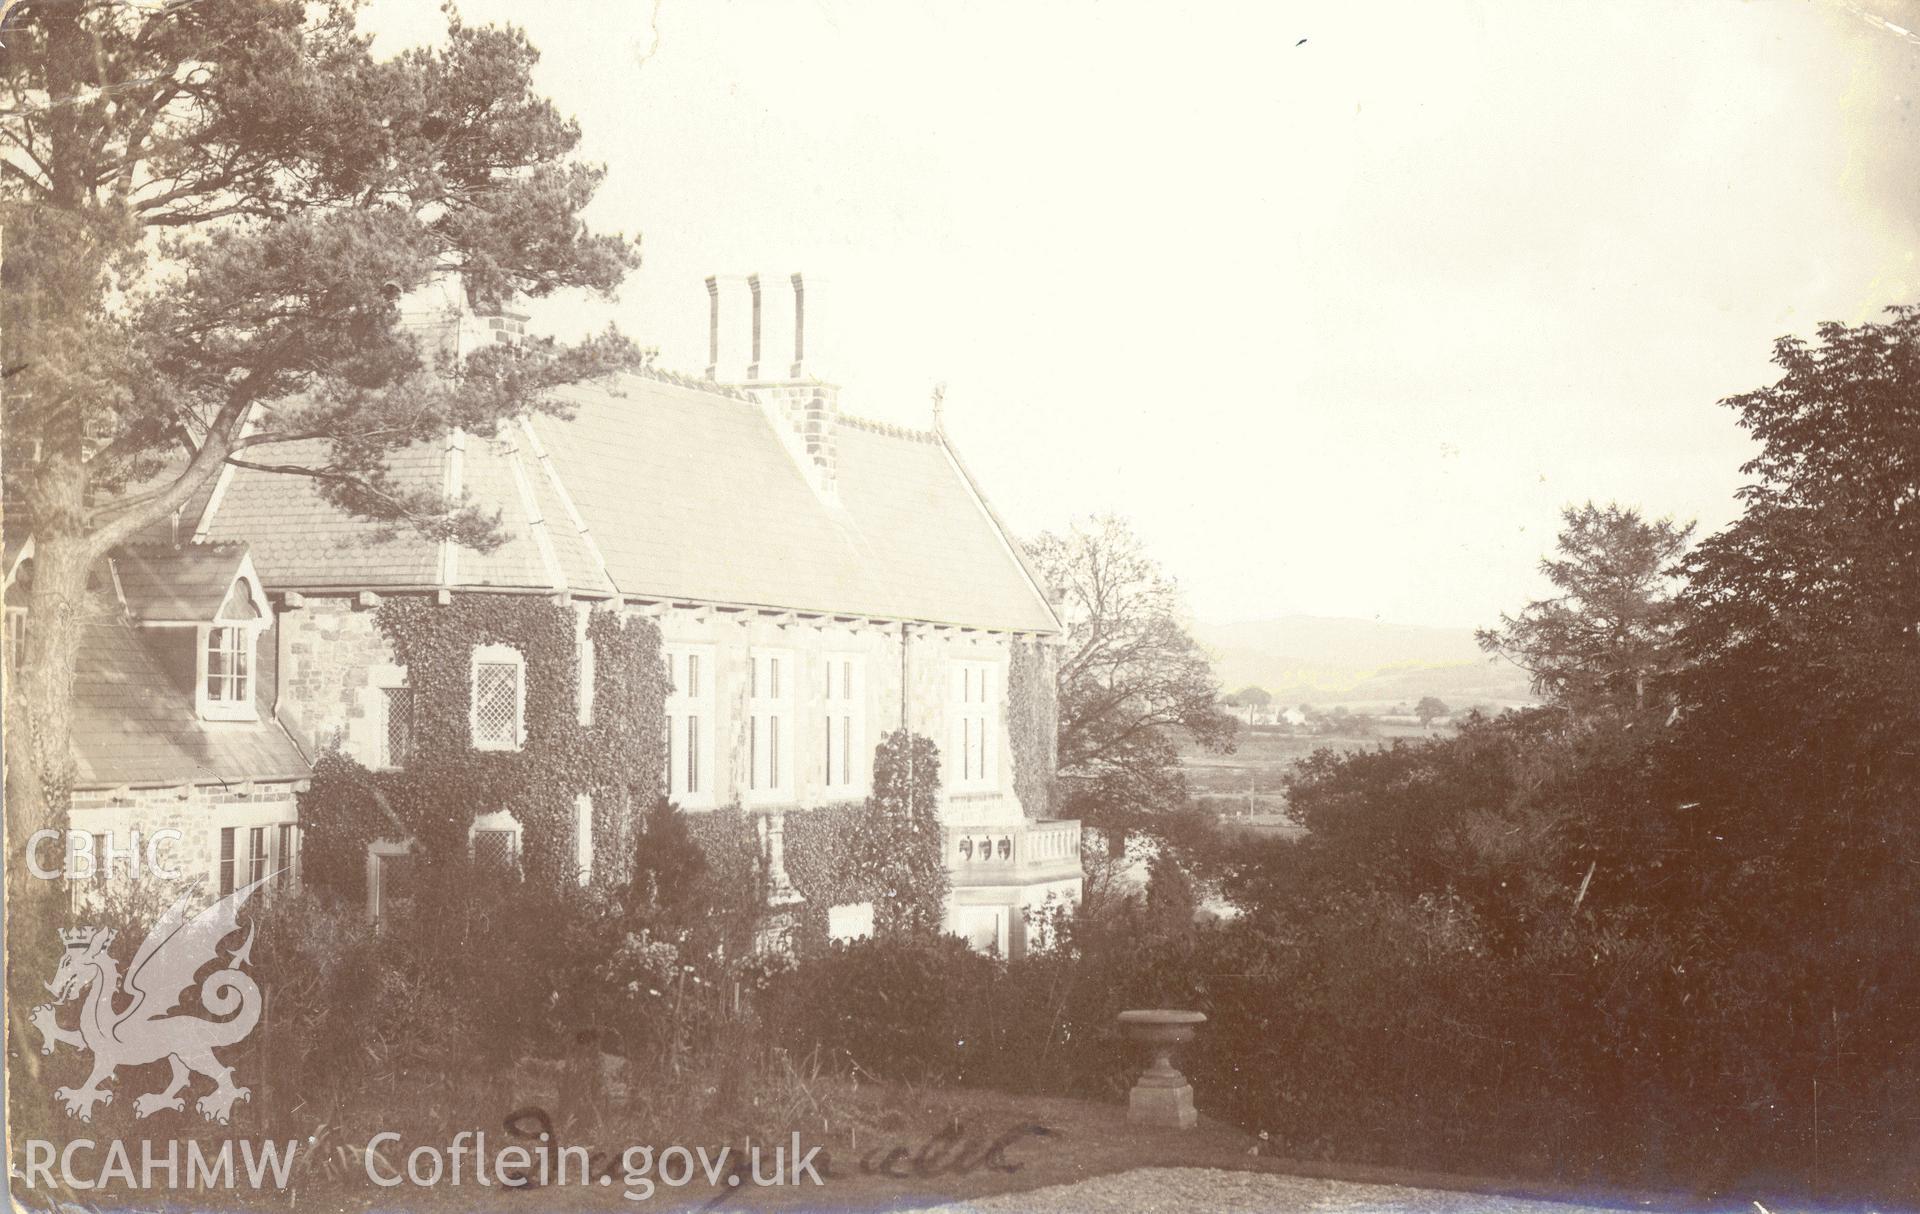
(999, 850)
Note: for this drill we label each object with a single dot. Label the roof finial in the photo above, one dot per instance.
(939, 395)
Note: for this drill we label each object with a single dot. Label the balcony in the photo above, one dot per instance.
(1012, 853)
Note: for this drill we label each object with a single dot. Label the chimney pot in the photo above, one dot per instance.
(799, 327)
(753, 366)
(713, 327)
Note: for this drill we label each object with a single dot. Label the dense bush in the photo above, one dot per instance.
(1420, 1030)
(484, 992)
(922, 1014)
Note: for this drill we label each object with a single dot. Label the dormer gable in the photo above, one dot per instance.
(208, 597)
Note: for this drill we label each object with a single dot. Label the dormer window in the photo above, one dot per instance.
(229, 658)
(226, 659)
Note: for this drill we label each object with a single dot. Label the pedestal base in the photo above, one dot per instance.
(1167, 1108)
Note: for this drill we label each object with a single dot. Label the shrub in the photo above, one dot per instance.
(917, 1015)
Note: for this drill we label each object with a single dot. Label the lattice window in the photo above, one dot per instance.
(495, 850)
(397, 743)
(499, 698)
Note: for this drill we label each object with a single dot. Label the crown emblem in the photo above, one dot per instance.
(77, 937)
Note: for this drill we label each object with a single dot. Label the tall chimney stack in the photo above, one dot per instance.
(806, 410)
(799, 328)
(753, 366)
(713, 328)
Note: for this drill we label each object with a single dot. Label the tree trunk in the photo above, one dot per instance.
(38, 780)
(39, 731)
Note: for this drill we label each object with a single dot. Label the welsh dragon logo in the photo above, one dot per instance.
(163, 968)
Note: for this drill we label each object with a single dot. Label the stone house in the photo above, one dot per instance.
(180, 763)
(818, 580)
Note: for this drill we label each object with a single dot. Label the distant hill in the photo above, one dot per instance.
(1363, 664)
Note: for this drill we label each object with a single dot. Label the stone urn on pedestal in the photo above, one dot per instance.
(1162, 1096)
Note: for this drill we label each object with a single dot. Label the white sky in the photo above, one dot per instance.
(1339, 324)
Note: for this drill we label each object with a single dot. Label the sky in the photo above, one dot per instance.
(1339, 303)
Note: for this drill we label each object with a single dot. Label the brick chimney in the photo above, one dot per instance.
(804, 408)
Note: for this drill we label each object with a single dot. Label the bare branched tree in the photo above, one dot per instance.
(1131, 679)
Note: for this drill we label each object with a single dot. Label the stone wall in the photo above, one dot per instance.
(198, 812)
(333, 660)
(732, 638)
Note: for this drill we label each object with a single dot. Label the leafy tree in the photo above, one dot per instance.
(211, 209)
(1709, 914)
(1611, 629)
(1813, 589)
(1251, 697)
(1131, 679)
(907, 855)
(1171, 900)
(1430, 709)
(1796, 741)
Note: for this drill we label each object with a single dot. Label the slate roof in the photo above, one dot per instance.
(185, 583)
(304, 541)
(676, 491)
(134, 723)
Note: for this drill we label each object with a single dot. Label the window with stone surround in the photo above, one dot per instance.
(973, 763)
(770, 725)
(845, 724)
(583, 651)
(396, 726)
(389, 881)
(257, 854)
(493, 843)
(689, 725)
(583, 838)
(497, 712)
(493, 850)
(286, 856)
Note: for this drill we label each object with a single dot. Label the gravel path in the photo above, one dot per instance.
(1217, 1191)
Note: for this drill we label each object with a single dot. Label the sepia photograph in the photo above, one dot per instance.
(1073, 606)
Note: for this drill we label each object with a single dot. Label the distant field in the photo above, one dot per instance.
(1249, 778)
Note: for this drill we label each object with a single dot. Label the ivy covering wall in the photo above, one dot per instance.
(1033, 723)
(885, 850)
(616, 759)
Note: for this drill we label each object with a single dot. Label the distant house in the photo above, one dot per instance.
(818, 580)
(173, 721)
